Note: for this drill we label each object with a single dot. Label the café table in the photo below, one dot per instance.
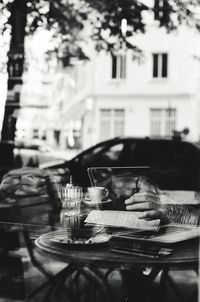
(89, 261)
(96, 262)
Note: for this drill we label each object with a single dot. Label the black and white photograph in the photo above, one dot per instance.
(99, 150)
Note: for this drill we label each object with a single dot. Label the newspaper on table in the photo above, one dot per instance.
(125, 219)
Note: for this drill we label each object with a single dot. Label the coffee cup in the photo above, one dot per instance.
(97, 194)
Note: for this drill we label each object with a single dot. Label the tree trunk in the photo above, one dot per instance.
(15, 68)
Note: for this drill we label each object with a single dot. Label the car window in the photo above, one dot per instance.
(103, 155)
(162, 153)
(113, 153)
(141, 153)
(88, 156)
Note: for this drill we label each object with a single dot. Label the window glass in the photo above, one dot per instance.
(161, 9)
(103, 155)
(113, 153)
(155, 65)
(114, 67)
(118, 66)
(160, 65)
(162, 121)
(164, 65)
(35, 133)
(89, 156)
(112, 123)
(158, 12)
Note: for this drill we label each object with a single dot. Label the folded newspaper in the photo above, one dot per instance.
(124, 219)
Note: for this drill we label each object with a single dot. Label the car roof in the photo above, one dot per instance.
(125, 139)
(151, 139)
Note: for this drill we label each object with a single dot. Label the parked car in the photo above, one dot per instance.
(33, 153)
(175, 164)
(27, 154)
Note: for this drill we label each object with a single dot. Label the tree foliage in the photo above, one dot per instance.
(69, 18)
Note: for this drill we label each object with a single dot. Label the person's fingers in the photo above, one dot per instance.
(130, 200)
(141, 206)
(150, 215)
(142, 197)
(137, 197)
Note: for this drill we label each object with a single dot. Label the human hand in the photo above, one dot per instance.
(147, 201)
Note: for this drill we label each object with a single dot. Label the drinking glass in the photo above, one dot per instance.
(71, 198)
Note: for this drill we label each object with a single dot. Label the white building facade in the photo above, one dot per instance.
(108, 96)
(118, 96)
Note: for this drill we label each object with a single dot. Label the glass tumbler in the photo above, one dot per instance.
(71, 198)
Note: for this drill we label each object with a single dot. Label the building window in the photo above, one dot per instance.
(160, 65)
(163, 121)
(111, 123)
(118, 67)
(57, 136)
(74, 140)
(43, 135)
(74, 135)
(35, 134)
(15, 68)
(162, 9)
(158, 9)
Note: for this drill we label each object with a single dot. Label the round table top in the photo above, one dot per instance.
(183, 256)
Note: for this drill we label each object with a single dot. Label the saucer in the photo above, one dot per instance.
(60, 239)
(95, 203)
(98, 239)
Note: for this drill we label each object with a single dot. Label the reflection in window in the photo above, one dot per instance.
(103, 155)
(111, 123)
(88, 157)
(163, 121)
(113, 153)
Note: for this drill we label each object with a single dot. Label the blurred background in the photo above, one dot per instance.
(77, 72)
